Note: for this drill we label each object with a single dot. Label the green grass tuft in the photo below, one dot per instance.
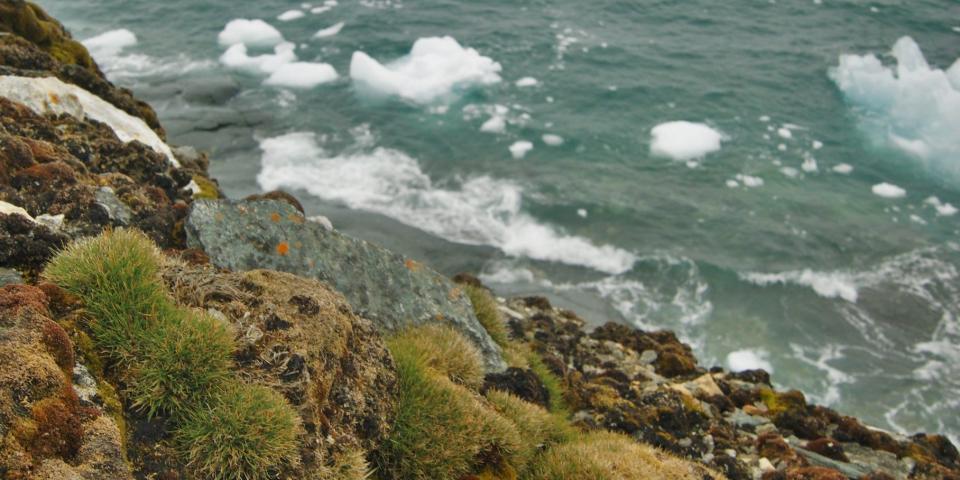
(485, 306)
(442, 429)
(538, 428)
(182, 362)
(247, 432)
(444, 350)
(551, 382)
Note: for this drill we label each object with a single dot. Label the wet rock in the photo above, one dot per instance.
(303, 340)
(392, 291)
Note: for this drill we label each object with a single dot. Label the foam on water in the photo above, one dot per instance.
(111, 43)
(684, 141)
(437, 68)
(825, 284)
(749, 359)
(252, 33)
(913, 107)
(478, 211)
(887, 190)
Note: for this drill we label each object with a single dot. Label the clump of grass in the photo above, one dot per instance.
(610, 456)
(551, 382)
(349, 465)
(443, 349)
(182, 362)
(117, 276)
(538, 428)
(485, 307)
(442, 429)
(245, 433)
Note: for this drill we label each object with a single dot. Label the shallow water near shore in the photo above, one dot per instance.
(777, 250)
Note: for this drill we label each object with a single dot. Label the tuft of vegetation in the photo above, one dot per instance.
(349, 465)
(183, 360)
(538, 428)
(611, 456)
(245, 433)
(551, 382)
(443, 349)
(485, 307)
(442, 429)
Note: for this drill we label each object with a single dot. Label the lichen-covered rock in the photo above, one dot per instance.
(302, 339)
(45, 432)
(392, 291)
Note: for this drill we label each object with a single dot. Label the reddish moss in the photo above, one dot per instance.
(48, 175)
(59, 428)
(58, 344)
(15, 297)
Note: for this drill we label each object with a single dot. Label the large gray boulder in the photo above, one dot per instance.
(392, 291)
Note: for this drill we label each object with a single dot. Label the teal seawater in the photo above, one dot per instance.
(844, 294)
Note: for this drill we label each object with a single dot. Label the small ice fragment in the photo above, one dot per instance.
(782, 147)
(790, 172)
(290, 15)
(496, 124)
(520, 149)
(684, 141)
(732, 184)
(252, 33)
(843, 168)
(582, 213)
(765, 118)
(319, 10)
(817, 144)
(750, 181)
(917, 219)
(552, 140)
(527, 82)
(943, 209)
(302, 75)
(330, 31)
(887, 190)
(809, 165)
(785, 133)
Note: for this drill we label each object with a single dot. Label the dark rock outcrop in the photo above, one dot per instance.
(392, 291)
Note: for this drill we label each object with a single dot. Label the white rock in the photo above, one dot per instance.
(11, 209)
(48, 95)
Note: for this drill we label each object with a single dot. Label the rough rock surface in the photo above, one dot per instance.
(300, 338)
(45, 430)
(648, 384)
(392, 291)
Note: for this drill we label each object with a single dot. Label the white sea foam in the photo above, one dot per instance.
(252, 33)
(520, 148)
(236, 57)
(749, 359)
(476, 211)
(820, 359)
(290, 15)
(749, 181)
(330, 31)
(684, 141)
(887, 190)
(843, 168)
(943, 209)
(302, 75)
(552, 139)
(108, 49)
(825, 284)
(913, 107)
(110, 44)
(527, 82)
(436, 68)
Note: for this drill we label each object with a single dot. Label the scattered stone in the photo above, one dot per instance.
(117, 212)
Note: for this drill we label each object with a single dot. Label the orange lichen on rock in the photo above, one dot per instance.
(412, 265)
(283, 248)
(275, 217)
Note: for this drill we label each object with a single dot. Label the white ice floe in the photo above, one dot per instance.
(843, 168)
(302, 75)
(750, 181)
(436, 68)
(475, 211)
(527, 82)
(887, 190)
(110, 44)
(582, 212)
(48, 95)
(749, 359)
(913, 107)
(252, 33)
(496, 124)
(943, 209)
(330, 31)
(684, 141)
(785, 133)
(552, 139)
(290, 15)
(817, 144)
(520, 148)
(809, 164)
(236, 57)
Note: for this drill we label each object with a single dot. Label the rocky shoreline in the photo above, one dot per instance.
(313, 311)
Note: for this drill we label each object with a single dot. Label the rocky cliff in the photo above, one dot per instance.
(341, 360)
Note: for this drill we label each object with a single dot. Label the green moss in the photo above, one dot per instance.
(444, 350)
(538, 428)
(247, 432)
(485, 306)
(551, 382)
(32, 23)
(208, 189)
(780, 403)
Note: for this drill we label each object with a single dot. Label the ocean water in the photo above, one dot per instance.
(802, 220)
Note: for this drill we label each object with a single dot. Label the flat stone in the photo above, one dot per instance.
(9, 276)
(848, 469)
(392, 291)
(118, 212)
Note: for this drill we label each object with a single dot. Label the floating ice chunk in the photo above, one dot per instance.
(552, 140)
(913, 107)
(520, 148)
(843, 168)
(684, 141)
(733, 184)
(809, 165)
(817, 144)
(785, 133)
(887, 190)
(527, 82)
(110, 44)
(290, 15)
(252, 33)
(749, 359)
(750, 181)
(764, 118)
(319, 10)
(330, 31)
(917, 219)
(436, 68)
(790, 172)
(782, 147)
(943, 209)
(582, 212)
(302, 75)
(496, 124)
(236, 57)
(48, 95)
